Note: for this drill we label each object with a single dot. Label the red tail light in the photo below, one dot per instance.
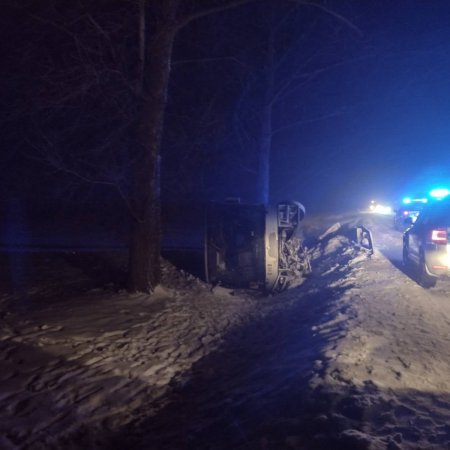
(439, 236)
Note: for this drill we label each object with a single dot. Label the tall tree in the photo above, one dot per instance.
(93, 78)
(103, 61)
(296, 47)
(165, 19)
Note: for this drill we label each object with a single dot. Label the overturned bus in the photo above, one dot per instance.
(254, 246)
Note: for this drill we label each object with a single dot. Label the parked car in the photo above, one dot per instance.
(408, 211)
(404, 217)
(426, 246)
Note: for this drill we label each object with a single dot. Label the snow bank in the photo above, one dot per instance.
(355, 357)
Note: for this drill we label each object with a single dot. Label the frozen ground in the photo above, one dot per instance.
(356, 357)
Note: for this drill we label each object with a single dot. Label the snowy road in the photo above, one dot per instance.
(357, 357)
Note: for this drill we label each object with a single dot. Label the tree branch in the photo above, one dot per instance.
(331, 13)
(207, 11)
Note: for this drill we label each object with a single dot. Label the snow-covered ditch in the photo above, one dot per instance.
(357, 356)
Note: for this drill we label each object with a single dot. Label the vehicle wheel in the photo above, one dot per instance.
(425, 280)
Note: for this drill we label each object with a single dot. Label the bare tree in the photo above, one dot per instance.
(273, 89)
(93, 77)
(165, 19)
(115, 73)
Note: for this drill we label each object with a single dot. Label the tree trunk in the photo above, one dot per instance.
(145, 233)
(265, 141)
(155, 58)
(265, 146)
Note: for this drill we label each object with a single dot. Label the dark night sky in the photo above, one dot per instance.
(392, 136)
(387, 103)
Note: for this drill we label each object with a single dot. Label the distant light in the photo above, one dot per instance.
(380, 209)
(407, 200)
(439, 193)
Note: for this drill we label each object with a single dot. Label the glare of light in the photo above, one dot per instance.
(409, 200)
(381, 209)
(439, 193)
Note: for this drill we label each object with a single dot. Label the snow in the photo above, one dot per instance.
(355, 356)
